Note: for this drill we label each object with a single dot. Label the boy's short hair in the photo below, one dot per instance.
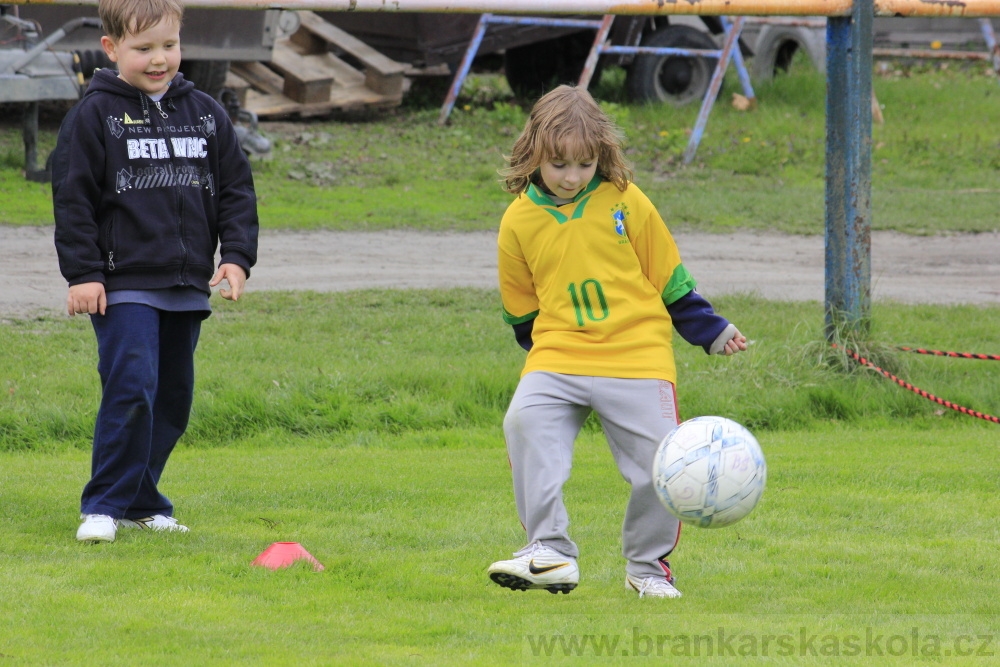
(130, 17)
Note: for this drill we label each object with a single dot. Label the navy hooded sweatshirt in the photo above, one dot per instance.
(144, 193)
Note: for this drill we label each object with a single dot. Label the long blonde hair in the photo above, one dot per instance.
(566, 118)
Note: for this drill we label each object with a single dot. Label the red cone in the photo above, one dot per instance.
(283, 554)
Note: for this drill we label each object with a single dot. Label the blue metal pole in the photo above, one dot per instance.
(849, 168)
(595, 51)
(731, 42)
(477, 39)
(741, 66)
(463, 69)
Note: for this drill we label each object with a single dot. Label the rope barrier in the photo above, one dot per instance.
(958, 355)
(917, 390)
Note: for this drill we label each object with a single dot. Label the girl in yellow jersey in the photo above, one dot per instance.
(593, 285)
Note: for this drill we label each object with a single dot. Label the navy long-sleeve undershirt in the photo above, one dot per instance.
(693, 317)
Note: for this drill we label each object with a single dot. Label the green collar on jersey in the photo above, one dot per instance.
(541, 198)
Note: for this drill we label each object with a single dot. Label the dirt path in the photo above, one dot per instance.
(909, 269)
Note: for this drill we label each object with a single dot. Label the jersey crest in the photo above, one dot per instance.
(619, 213)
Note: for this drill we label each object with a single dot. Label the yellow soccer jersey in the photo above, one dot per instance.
(596, 275)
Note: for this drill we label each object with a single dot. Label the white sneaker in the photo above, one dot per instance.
(155, 522)
(651, 587)
(96, 528)
(537, 566)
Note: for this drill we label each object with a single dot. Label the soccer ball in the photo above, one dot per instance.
(709, 472)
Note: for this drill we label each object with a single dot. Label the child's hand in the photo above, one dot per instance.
(235, 276)
(738, 343)
(86, 298)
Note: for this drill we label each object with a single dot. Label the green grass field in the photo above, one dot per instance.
(367, 427)
(324, 420)
(857, 531)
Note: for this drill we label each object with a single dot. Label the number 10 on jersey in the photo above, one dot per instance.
(585, 297)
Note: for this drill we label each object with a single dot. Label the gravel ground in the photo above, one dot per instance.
(961, 268)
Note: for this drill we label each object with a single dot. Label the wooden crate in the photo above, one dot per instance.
(307, 76)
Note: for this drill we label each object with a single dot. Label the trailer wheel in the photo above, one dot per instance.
(91, 60)
(777, 45)
(676, 80)
(208, 76)
(534, 69)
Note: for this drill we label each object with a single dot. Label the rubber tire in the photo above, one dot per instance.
(777, 45)
(534, 69)
(208, 76)
(91, 60)
(676, 80)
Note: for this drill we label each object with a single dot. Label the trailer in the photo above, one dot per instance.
(211, 38)
(537, 56)
(777, 41)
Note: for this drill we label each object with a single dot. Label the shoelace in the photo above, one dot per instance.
(533, 550)
(656, 584)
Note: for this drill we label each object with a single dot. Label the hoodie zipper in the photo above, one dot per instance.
(177, 189)
(110, 243)
(180, 205)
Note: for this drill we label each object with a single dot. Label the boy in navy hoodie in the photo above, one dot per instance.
(148, 182)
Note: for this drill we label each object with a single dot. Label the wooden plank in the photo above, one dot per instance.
(352, 45)
(315, 35)
(305, 80)
(384, 85)
(259, 76)
(299, 83)
(271, 104)
(342, 99)
(308, 42)
(343, 74)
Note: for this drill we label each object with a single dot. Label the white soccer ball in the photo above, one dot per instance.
(709, 472)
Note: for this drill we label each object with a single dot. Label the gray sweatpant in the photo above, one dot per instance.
(545, 416)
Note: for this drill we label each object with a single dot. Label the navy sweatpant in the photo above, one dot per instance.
(146, 364)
